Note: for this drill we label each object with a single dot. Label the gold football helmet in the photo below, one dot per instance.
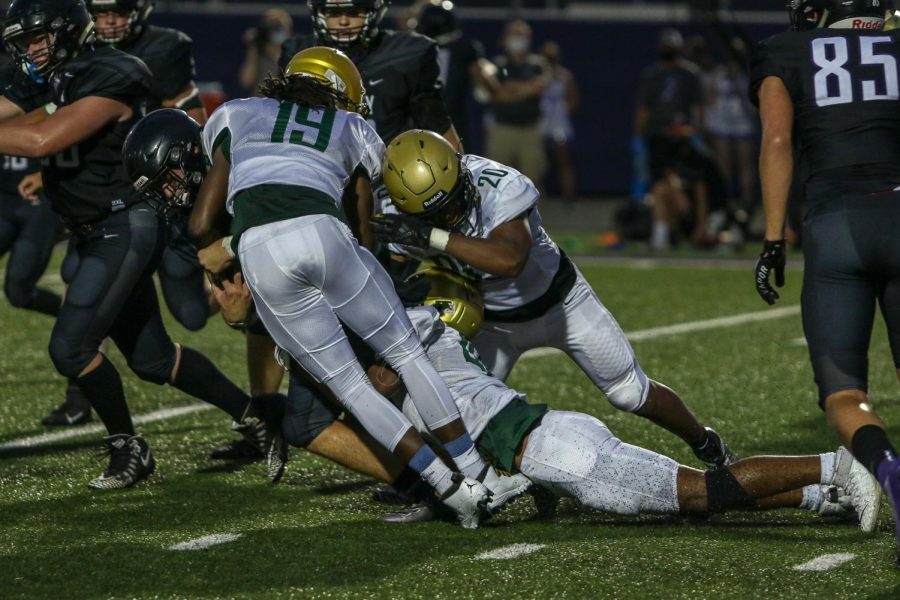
(425, 177)
(456, 298)
(333, 67)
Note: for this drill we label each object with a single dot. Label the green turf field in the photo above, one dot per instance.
(318, 534)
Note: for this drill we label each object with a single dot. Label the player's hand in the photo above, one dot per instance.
(234, 298)
(29, 187)
(214, 258)
(402, 229)
(771, 259)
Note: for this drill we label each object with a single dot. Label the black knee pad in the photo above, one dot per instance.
(156, 368)
(69, 361)
(724, 492)
(307, 414)
(19, 293)
(192, 315)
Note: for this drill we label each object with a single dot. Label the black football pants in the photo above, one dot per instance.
(111, 294)
(851, 249)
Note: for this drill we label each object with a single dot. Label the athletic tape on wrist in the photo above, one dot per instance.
(438, 239)
(226, 243)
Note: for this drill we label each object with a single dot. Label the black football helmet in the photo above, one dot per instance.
(345, 39)
(65, 26)
(163, 156)
(436, 19)
(812, 14)
(136, 10)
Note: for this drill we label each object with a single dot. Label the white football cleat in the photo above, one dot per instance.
(836, 503)
(863, 489)
(505, 488)
(468, 498)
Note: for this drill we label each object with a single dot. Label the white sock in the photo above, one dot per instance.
(828, 461)
(812, 497)
(438, 475)
(470, 463)
(660, 235)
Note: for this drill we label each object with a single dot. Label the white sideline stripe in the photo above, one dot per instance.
(690, 327)
(641, 334)
(508, 552)
(206, 541)
(826, 562)
(158, 415)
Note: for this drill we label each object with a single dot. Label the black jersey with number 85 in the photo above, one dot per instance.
(845, 87)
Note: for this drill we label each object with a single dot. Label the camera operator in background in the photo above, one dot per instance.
(263, 44)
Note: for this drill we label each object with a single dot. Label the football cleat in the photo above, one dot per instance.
(66, 414)
(836, 502)
(862, 488)
(253, 446)
(276, 457)
(468, 498)
(391, 495)
(504, 488)
(420, 512)
(545, 502)
(889, 477)
(714, 452)
(130, 460)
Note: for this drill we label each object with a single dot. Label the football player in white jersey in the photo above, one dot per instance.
(477, 215)
(575, 455)
(279, 165)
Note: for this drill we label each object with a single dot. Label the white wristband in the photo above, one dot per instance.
(439, 239)
(226, 243)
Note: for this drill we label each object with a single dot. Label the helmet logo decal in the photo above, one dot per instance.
(336, 80)
(435, 199)
(141, 182)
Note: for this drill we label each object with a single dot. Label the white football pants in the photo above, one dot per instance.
(308, 272)
(575, 455)
(584, 329)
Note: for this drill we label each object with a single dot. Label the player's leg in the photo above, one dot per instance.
(583, 328)
(28, 259)
(278, 260)
(361, 294)
(183, 285)
(497, 345)
(111, 261)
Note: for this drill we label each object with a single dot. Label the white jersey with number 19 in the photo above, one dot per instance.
(268, 141)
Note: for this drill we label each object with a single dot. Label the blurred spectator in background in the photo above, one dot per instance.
(558, 102)
(460, 59)
(513, 135)
(263, 44)
(731, 122)
(669, 125)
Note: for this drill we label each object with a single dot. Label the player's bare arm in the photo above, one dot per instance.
(9, 109)
(776, 160)
(64, 128)
(202, 225)
(503, 253)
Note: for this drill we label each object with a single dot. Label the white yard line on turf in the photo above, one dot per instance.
(206, 541)
(641, 334)
(826, 562)
(691, 326)
(157, 415)
(508, 552)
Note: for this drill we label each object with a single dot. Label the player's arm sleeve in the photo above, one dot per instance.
(764, 63)
(519, 196)
(123, 82)
(426, 103)
(368, 149)
(179, 71)
(217, 134)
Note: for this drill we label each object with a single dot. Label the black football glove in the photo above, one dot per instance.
(772, 258)
(402, 229)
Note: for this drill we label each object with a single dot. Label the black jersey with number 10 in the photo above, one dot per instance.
(845, 87)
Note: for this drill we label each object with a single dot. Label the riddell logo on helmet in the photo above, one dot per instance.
(867, 24)
(434, 199)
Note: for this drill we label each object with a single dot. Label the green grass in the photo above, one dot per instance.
(318, 534)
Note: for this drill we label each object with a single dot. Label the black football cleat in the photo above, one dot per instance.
(254, 445)
(67, 414)
(714, 452)
(130, 461)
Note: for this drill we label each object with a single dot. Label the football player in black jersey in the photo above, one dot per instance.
(828, 97)
(27, 229)
(95, 96)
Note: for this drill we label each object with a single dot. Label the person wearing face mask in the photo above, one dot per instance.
(264, 47)
(514, 135)
(669, 124)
